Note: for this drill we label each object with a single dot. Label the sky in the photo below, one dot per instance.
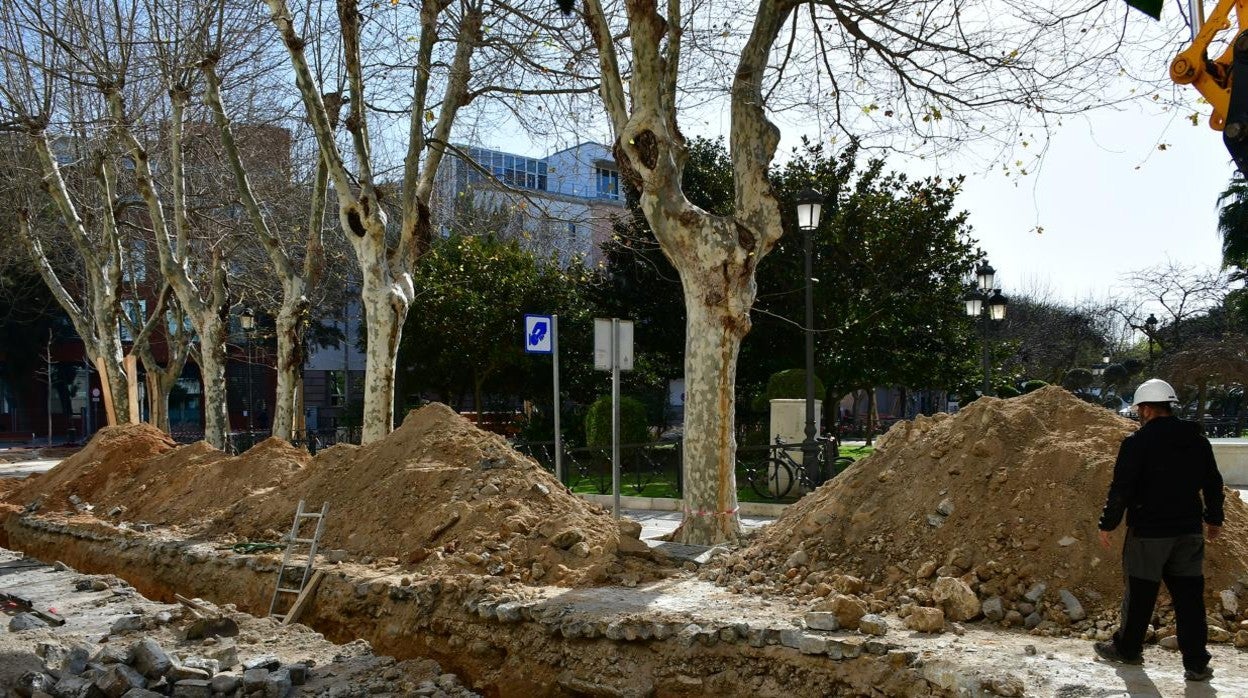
(1109, 202)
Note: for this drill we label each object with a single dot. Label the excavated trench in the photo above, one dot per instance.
(504, 641)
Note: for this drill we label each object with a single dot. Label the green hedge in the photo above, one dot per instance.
(790, 384)
(1032, 386)
(633, 426)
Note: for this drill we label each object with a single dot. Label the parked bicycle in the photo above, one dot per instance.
(777, 475)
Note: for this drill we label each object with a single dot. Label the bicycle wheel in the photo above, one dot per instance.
(773, 479)
(840, 464)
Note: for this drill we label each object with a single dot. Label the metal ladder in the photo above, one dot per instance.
(292, 541)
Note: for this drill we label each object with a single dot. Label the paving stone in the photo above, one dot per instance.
(181, 672)
(994, 609)
(192, 688)
(142, 693)
(118, 679)
(33, 682)
(25, 621)
(822, 620)
(226, 683)
(812, 644)
(267, 661)
(150, 658)
(278, 684)
(872, 624)
(254, 679)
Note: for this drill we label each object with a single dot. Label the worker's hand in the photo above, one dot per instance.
(1104, 538)
(1212, 532)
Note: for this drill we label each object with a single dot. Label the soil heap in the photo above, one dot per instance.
(1004, 495)
(437, 495)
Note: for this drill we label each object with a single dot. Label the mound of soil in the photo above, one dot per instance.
(444, 495)
(107, 463)
(438, 495)
(1004, 494)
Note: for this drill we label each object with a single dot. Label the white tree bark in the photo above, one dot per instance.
(293, 314)
(387, 288)
(207, 309)
(715, 256)
(97, 320)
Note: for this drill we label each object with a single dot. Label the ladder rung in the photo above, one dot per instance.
(310, 516)
(289, 591)
(304, 540)
(279, 616)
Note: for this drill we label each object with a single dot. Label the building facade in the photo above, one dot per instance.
(562, 205)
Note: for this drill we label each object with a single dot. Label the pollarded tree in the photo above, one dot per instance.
(940, 69)
(445, 54)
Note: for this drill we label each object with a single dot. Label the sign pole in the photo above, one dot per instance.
(615, 417)
(554, 346)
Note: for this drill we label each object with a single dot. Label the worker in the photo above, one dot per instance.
(1167, 482)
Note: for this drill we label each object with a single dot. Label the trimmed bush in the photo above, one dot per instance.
(1007, 391)
(633, 425)
(790, 384)
(1032, 386)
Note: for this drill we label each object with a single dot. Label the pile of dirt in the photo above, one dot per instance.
(437, 495)
(108, 463)
(443, 495)
(1004, 495)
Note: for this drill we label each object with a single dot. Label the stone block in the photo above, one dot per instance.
(181, 672)
(812, 644)
(822, 620)
(872, 624)
(226, 684)
(254, 679)
(298, 674)
(278, 684)
(150, 659)
(956, 599)
(1074, 609)
(993, 609)
(193, 688)
(267, 661)
(25, 621)
(118, 679)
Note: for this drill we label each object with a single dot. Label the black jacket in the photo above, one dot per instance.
(1159, 479)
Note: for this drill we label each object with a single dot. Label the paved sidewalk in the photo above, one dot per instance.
(28, 467)
(659, 523)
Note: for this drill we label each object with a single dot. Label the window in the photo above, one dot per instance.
(608, 183)
(134, 262)
(137, 312)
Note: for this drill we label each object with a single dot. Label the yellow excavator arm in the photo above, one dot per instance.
(1214, 78)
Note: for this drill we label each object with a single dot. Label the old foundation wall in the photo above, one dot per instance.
(504, 641)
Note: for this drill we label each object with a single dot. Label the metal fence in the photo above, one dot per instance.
(656, 469)
(312, 439)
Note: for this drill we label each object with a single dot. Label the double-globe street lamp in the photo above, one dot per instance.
(809, 209)
(986, 302)
(1150, 329)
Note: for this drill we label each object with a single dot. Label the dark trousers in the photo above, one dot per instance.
(1147, 562)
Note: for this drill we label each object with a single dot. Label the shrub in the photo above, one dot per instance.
(633, 425)
(1032, 386)
(1007, 391)
(790, 384)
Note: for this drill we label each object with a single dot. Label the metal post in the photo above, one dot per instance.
(615, 417)
(251, 403)
(809, 447)
(554, 351)
(49, 366)
(987, 359)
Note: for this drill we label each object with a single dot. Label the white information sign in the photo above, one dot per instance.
(602, 344)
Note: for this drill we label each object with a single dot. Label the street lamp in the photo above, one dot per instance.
(809, 209)
(988, 304)
(248, 321)
(1150, 329)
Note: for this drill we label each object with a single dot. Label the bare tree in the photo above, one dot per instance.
(444, 61)
(938, 68)
(38, 93)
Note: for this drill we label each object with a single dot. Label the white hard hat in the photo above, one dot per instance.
(1154, 390)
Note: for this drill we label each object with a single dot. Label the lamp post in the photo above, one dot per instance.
(248, 321)
(809, 208)
(1150, 326)
(987, 303)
